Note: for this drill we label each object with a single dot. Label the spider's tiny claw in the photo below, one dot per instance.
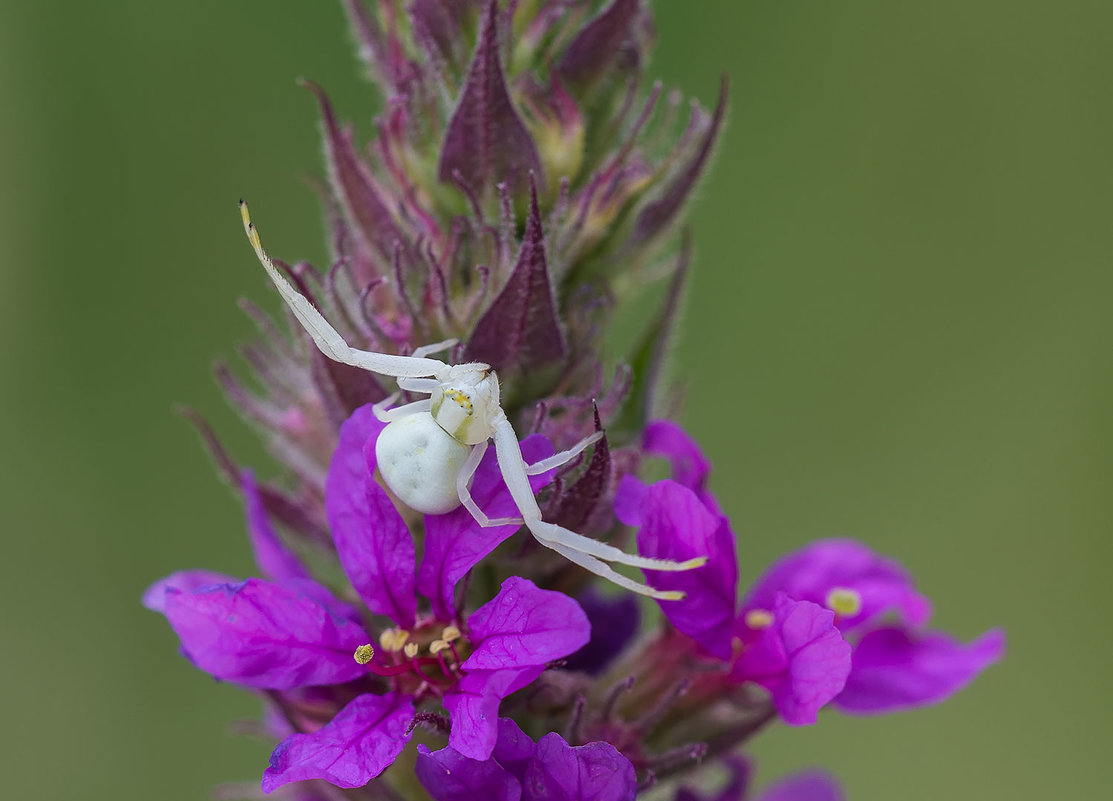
(692, 564)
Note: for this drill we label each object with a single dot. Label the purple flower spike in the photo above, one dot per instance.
(677, 525)
(520, 328)
(810, 573)
(896, 669)
(455, 543)
(812, 785)
(524, 626)
(262, 635)
(364, 738)
(372, 540)
(487, 142)
(800, 657)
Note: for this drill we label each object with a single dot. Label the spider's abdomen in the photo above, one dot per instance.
(419, 461)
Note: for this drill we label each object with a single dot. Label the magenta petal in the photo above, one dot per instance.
(898, 669)
(264, 635)
(801, 658)
(812, 785)
(455, 543)
(524, 626)
(448, 776)
(689, 466)
(629, 499)
(592, 772)
(274, 559)
(677, 525)
(810, 573)
(359, 743)
(473, 705)
(154, 598)
(372, 540)
(514, 749)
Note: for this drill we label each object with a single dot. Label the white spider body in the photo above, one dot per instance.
(419, 461)
(429, 452)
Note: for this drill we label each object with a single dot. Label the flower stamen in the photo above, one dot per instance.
(759, 618)
(844, 602)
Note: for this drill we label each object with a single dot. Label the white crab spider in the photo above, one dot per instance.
(429, 452)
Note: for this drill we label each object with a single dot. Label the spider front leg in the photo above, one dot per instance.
(584, 551)
(327, 338)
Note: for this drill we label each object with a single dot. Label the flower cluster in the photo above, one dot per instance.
(523, 182)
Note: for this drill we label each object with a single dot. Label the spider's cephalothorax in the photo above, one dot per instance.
(430, 450)
(467, 407)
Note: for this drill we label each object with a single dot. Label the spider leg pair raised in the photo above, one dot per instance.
(454, 426)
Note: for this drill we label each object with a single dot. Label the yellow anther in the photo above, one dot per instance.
(843, 601)
(393, 640)
(692, 564)
(410, 650)
(670, 595)
(436, 646)
(364, 654)
(450, 633)
(759, 619)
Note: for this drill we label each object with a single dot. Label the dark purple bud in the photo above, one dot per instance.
(520, 328)
(657, 216)
(441, 25)
(597, 45)
(576, 505)
(354, 185)
(487, 143)
(614, 623)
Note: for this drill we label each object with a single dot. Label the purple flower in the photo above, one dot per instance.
(520, 770)
(290, 633)
(896, 664)
(810, 630)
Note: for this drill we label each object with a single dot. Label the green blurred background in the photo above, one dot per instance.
(898, 330)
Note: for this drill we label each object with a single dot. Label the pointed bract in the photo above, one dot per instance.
(487, 143)
(520, 329)
(355, 188)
